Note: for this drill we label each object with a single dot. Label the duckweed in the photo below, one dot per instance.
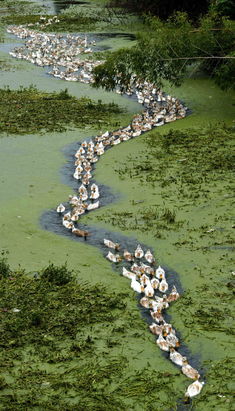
(28, 110)
(59, 351)
(142, 217)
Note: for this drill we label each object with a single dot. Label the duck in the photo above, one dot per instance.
(149, 290)
(162, 343)
(111, 244)
(114, 258)
(154, 283)
(80, 233)
(157, 315)
(156, 329)
(128, 256)
(173, 296)
(144, 301)
(136, 269)
(163, 286)
(139, 252)
(136, 286)
(147, 269)
(68, 224)
(144, 280)
(93, 206)
(128, 274)
(189, 371)
(176, 357)
(160, 272)
(60, 209)
(194, 389)
(172, 340)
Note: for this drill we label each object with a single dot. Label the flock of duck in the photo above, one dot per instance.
(145, 277)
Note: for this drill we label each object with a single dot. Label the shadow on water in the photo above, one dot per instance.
(64, 4)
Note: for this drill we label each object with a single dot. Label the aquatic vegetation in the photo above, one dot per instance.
(19, 7)
(28, 110)
(218, 390)
(214, 315)
(66, 23)
(187, 158)
(141, 219)
(61, 339)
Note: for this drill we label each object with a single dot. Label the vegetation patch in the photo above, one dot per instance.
(19, 7)
(59, 347)
(141, 218)
(66, 23)
(28, 110)
(213, 315)
(191, 158)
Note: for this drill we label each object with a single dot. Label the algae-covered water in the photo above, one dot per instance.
(32, 183)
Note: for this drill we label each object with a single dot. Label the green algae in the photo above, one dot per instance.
(28, 110)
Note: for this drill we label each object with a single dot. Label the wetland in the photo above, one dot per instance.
(81, 343)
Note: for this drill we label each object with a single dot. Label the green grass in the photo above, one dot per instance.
(28, 110)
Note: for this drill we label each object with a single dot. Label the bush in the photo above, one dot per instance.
(4, 268)
(57, 275)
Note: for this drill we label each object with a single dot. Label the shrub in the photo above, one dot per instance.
(4, 268)
(57, 275)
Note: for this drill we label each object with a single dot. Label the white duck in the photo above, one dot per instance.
(149, 257)
(160, 273)
(176, 357)
(60, 209)
(194, 389)
(111, 244)
(93, 206)
(114, 258)
(144, 302)
(139, 252)
(128, 274)
(174, 295)
(162, 343)
(136, 286)
(189, 371)
(156, 329)
(155, 283)
(149, 290)
(163, 286)
(128, 256)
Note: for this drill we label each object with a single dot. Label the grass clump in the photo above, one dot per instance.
(28, 110)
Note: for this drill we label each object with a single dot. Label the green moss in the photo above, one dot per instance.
(27, 110)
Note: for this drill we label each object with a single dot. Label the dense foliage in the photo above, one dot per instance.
(164, 8)
(28, 110)
(166, 51)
